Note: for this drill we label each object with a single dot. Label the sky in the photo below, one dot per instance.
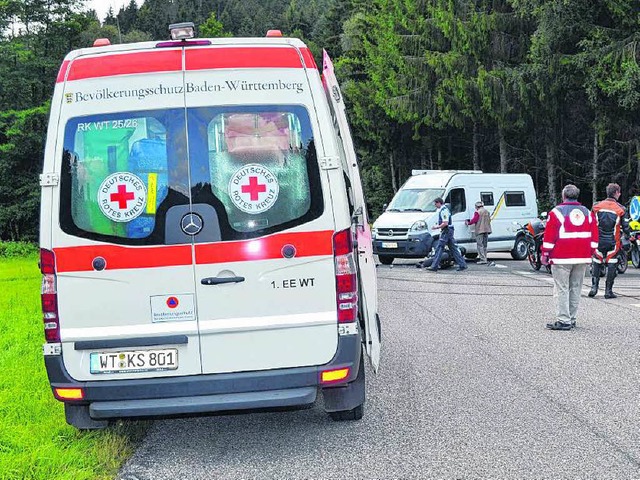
(102, 6)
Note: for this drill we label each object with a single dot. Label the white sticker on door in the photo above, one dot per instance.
(172, 308)
(253, 189)
(122, 196)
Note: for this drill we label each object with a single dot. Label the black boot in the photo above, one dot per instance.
(595, 278)
(612, 271)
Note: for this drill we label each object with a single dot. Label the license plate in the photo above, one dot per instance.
(134, 361)
(389, 245)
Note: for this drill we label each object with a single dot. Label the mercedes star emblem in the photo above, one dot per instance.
(191, 223)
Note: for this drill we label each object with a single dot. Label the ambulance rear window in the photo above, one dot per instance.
(115, 173)
(262, 166)
(130, 178)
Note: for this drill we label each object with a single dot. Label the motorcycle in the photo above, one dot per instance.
(532, 233)
(634, 248)
(446, 260)
(626, 251)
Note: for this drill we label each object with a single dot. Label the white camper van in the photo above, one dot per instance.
(204, 239)
(400, 231)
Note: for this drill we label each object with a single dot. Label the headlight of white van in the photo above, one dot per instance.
(419, 226)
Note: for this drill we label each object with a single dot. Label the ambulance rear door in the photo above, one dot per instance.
(122, 217)
(265, 286)
(366, 263)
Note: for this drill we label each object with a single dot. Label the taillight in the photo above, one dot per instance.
(346, 280)
(49, 296)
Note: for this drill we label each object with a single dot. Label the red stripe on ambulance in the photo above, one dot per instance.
(80, 259)
(125, 64)
(243, 57)
(196, 59)
(63, 71)
(307, 244)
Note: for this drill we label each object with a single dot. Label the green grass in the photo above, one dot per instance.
(35, 440)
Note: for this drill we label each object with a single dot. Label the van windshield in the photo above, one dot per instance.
(415, 200)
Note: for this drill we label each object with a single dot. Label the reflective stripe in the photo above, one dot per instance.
(564, 234)
(548, 245)
(559, 261)
(594, 244)
(558, 214)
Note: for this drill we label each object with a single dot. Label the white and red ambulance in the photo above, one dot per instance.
(205, 244)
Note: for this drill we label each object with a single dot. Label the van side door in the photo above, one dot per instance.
(366, 264)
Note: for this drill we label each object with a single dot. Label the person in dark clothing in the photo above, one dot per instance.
(610, 216)
(446, 237)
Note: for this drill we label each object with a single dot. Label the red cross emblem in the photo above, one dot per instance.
(253, 189)
(122, 197)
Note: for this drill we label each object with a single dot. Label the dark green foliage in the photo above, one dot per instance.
(18, 249)
(547, 87)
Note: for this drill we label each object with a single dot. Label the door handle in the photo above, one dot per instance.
(221, 280)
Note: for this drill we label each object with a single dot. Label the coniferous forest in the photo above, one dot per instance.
(546, 87)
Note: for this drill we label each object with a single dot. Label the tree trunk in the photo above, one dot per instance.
(594, 168)
(394, 181)
(476, 154)
(637, 162)
(430, 146)
(504, 159)
(551, 172)
(439, 158)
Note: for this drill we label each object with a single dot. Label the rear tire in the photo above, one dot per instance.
(635, 257)
(354, 414)
(78, 417)
(623, 263)
(520, 248)
(471, 256)
(386, 259)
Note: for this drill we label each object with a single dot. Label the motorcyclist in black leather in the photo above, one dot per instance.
(611, 218)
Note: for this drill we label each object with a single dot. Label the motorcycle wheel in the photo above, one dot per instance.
(535, 263)
(623, 262)
(635, 256)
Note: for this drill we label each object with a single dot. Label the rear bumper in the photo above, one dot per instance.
(203, 403)
(206, 393)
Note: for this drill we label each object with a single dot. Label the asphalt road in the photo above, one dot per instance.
(471, 385)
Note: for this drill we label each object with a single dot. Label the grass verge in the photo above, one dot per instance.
(35, 441)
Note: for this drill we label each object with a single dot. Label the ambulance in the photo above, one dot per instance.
(205, 244)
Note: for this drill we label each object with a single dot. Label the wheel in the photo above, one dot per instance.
(357, 394)
(471, 256)
(353, 414)
(385, 259)
(635, 256)
(533, 261)
(520, 248)
(623, 262)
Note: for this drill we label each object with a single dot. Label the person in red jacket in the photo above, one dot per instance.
(610, 216)
(570, 238)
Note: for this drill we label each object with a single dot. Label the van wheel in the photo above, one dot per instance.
(78, 417)
(520, 248)
(386, 259)
(354, 414)
(353, 394)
